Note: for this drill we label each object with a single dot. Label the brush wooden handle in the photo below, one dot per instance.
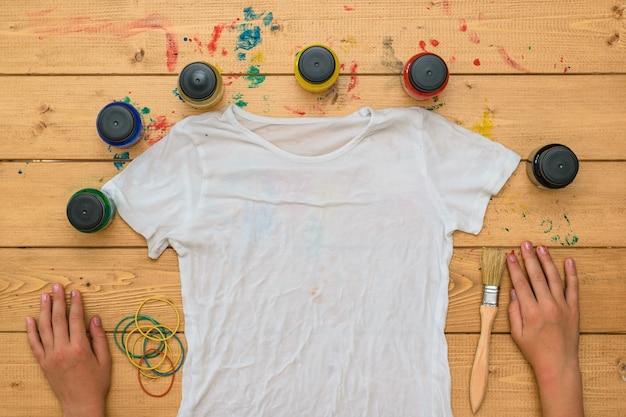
(480, 370)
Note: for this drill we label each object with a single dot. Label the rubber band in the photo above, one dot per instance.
(138, 327)
(162, 300)
(180, 359)
(130, 356)
(169, 388)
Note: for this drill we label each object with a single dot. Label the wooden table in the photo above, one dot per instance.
(524, 74)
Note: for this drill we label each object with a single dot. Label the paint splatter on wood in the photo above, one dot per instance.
(157, 130)
(486, 125)
(46, 25)
(510, 61)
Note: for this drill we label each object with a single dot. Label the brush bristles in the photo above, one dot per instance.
(492, 266)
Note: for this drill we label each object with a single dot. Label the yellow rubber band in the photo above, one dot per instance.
(162, 300)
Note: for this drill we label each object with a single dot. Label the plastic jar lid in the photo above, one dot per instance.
(197, 81)
(90, 210)
(119, 124)
(557, 166)
(428, 73)
(316, 64)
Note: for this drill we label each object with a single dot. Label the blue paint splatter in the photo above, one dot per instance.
(241, 56)
(267, 20)
(248, 14)
(249, 38)
(120, 159)
(177, 94)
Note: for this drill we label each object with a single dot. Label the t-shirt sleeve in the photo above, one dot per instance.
(158, 192)
(465, 169)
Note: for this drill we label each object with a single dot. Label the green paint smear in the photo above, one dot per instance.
(549, 223)
(238, 100)
(126, 100)
(145, 110)
(254, 79)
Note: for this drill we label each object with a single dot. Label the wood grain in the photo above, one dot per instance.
(584, 214)
(524, 74)
(511, 393)
(52, 117)
(112, 278)
(159, 37)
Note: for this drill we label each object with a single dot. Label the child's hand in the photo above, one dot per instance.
(79, 371)
(545, 325)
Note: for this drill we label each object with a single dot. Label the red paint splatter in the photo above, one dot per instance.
(434, 42)
(215, 36)
(348, 8)
(423, 46)
(477, 62)
(462, 25)
(565, 70)
(474, 38)
(294, 111)
(44, 24)
(354, 80)
(157, 129)
(224, 52)
(171, 52)
(510, 62)
(452, 59)
(446, 7)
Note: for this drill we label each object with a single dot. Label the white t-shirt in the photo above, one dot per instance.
(313, 255)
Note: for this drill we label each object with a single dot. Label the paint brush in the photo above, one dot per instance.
(492, 266)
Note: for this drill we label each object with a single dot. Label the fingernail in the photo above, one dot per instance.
(45, 297)
(512, 258)
(513, 295)
(570, 262)
(56, 287)
(97, 322)
(74, 293)
(527, 245)
(29, 320)
(542, 250)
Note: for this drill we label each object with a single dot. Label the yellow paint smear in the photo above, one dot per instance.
(258, 58)
(485, 126)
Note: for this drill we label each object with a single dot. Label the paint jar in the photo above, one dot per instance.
(424, 76)
(316, 68)
(200, 85)
(552, 166)
(119, 124)
(90, 210)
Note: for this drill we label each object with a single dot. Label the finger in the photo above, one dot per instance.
(522, 287)
(535, 272)
(59, 315)
(99, 342)
(45, 322)
(515, 316)
(34, 341)
(571, 283)
(553, 277)
(78, 333)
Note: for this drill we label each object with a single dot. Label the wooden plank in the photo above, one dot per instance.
(54, 117)
(589, 212)
(512, 389)
(116, 277)
(159, 37)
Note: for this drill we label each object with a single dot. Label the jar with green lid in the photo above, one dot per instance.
(90, 210)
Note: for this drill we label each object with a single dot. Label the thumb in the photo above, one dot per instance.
(515, 316)
(99, 342)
